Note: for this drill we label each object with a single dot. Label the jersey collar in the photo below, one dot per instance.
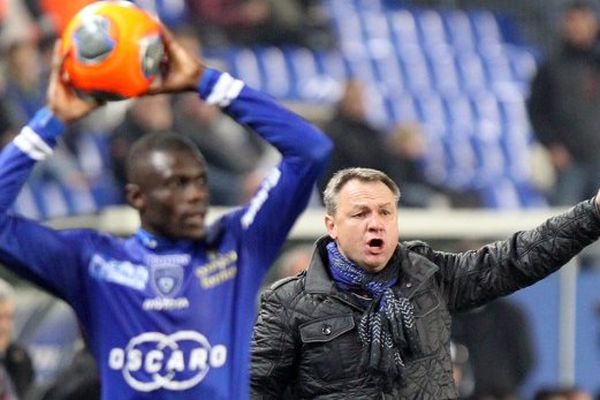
(159, 243)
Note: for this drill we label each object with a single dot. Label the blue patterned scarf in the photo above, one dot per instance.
(387, 329)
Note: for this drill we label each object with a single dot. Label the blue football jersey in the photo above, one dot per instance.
(168, 319)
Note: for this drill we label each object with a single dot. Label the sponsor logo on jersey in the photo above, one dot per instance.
(167, 259)
(165, 304)
(119, 271)
(220, 269)
(179, 361)
(166, 279)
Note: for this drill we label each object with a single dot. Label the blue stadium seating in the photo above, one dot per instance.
(463, 75)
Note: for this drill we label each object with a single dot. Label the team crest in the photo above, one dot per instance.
(167, 279)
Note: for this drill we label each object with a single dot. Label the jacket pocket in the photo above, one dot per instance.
(330, 350)
(326, 329)
(425, 303)
(430, 317)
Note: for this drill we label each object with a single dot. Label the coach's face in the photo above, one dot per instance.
(365, 224)
(172, 194)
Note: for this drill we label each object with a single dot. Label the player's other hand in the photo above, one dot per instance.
(182, 70)
(61, 99)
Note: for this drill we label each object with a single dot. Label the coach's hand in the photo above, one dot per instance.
(61, 99)
(182, 71)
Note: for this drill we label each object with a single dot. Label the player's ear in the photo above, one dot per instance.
(134, 195)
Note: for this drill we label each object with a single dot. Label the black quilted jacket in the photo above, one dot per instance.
(305, 343)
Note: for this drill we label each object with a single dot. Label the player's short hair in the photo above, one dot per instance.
(160, 141)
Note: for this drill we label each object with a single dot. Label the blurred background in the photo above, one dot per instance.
(486, 113)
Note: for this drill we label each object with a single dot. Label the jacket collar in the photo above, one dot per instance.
(317, 276)
(414, 271)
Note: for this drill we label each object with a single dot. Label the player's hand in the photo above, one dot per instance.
(61, 99)
(183, 70)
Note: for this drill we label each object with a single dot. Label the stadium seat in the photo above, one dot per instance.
(243, 63)
(430, 27)
(471, 72)
(459, 30)
(457, 73)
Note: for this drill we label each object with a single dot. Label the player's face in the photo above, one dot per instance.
(174, 195)
(365, 224)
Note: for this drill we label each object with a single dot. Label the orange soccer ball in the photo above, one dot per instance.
(113, 50)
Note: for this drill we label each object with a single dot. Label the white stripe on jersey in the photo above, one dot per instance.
(259, 199)
(225, 90)
(32, 144)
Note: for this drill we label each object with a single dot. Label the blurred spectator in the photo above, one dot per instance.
(249, 22)
(16, 22)
(7, 130)
(461, 369)
(360, 144)
(80, 380)
(294, 260)
(24, 90)
(230, 152)
(357, 142)
(564, 105)
(16, 369)
(24, 95)
(406, 147)
(499, 342)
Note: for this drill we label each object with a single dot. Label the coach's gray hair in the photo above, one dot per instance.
(7, 293)
(343, 176)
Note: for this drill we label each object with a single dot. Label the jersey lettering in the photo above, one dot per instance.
(179, 361)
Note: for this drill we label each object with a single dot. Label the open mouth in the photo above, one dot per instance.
(375, 244)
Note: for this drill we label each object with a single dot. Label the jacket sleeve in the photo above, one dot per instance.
(47, 257)
(475, 277)
(273, 350)
(284, 193)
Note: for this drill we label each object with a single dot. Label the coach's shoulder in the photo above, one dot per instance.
(288, 282)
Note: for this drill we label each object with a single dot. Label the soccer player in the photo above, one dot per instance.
(167, 312)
